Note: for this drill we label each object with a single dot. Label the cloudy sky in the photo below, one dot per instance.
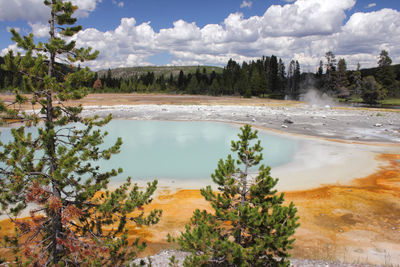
(210, 32)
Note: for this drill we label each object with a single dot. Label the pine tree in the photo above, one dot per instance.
(273, 75)
(171, 80)
(319, 76)
(74, 220)
(256, 82)
(141, 88)
(297, 76)
(249, 225)
(342, 73)
(243, 82)
(330, 77)
(372, 91)
(124, 87)
(342, 81)
(320, 70)
(181, 81)
(193, 86)
(109, 79)
(281, 78)
(386, 75)
(215, 88)
(356, 85)
(293, 89)
(384, 59)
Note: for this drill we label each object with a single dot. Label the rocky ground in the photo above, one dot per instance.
(367, 125)
(162, 259)
(314, 117)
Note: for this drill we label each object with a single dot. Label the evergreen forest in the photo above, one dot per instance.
(266, 77)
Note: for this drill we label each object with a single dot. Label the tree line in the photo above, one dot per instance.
(265, 77)
(371, 85)
(269, 77)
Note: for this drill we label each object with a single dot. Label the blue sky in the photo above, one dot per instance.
(185, 32)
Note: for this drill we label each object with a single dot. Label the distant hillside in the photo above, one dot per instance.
(373, 71)
(158, 71)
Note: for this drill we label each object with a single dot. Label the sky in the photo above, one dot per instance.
(191, 32)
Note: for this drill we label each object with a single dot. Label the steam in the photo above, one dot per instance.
(317, 99)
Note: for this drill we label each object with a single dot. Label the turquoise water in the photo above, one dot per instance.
(180, 150)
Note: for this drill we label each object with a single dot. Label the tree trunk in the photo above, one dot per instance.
(56, 217)
(243, 197)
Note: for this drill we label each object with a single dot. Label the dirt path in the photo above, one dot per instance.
(112, 99)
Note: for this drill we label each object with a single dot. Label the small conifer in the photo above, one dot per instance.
(250, 226)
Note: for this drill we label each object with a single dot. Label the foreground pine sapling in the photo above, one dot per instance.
(74, 220)
(250, 226)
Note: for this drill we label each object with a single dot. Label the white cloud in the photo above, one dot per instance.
(85, 7)
(304, 30)
(40, 30)
(128, 45)
(30, 10)
(181, 34)
(239, 29)
(371, 5)
(246, 4)
(305, 17)
(12, 47)
(368, 33)
(36, 11)
(121, 4)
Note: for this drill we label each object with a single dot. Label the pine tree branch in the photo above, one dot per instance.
(63, 141)
(36, 234)
(11, 218)
(88, 204)
(39, 174)
(71, 115)
(30, 75)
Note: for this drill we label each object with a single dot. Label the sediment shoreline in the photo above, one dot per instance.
(359, 125)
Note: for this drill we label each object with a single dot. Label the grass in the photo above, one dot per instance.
(391, 101)
(351, 100)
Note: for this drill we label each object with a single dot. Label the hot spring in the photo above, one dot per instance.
(179, 151)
